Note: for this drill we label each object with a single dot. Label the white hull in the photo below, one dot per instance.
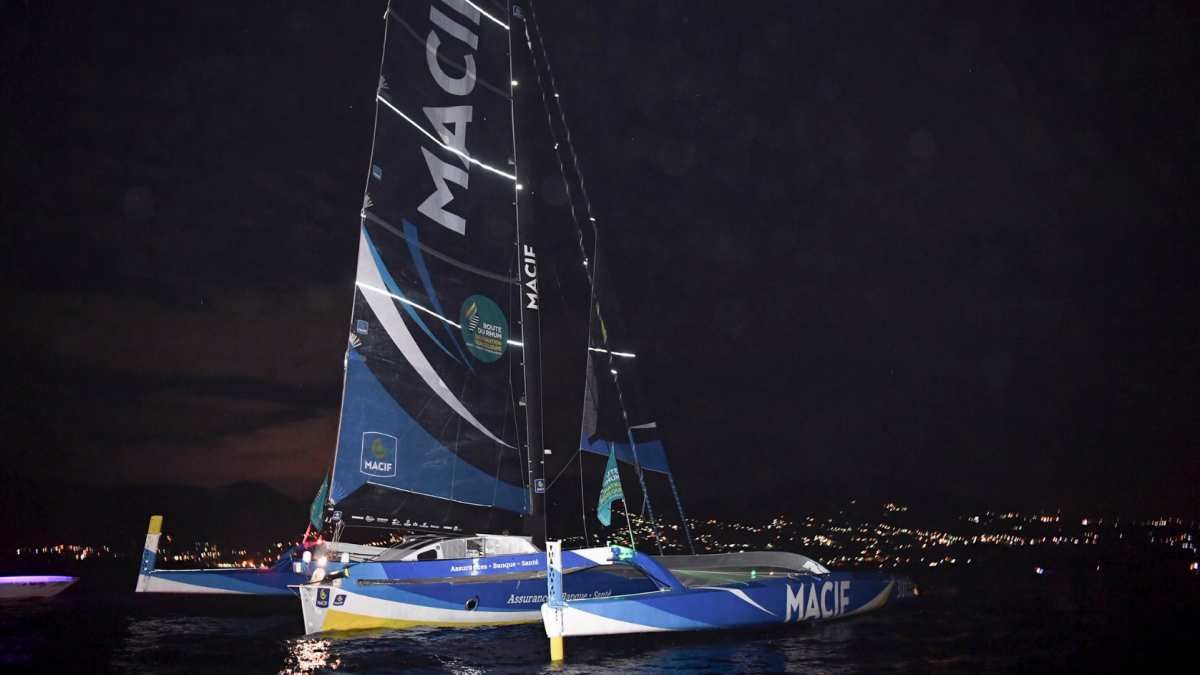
(347, 610)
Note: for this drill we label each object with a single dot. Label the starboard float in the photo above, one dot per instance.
(710, 592)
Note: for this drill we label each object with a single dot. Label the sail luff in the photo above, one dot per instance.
(362, 216)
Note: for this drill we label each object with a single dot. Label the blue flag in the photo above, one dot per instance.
(610, 489)
(316, 513)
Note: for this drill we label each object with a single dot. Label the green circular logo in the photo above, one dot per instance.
(484, 328)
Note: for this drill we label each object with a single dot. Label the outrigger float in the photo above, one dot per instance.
(297, 564)
(709, 592)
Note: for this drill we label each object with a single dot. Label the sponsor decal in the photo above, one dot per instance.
(484, 328)
(539, 485)
(339, 599)
(322, 597)
(514, 599)
(361, 327)
(821, 600)
(378, 454)
(530, 271)
(476, 566)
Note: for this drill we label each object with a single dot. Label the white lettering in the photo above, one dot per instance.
(795, 602)
(458, 86)
(434, 205)
(530, 270)
(826, 607)
(454, 28)
(811, 611)
(460, 117)
(843, 597)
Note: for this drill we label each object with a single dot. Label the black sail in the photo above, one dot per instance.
(430, 427)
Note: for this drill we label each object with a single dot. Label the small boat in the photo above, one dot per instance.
(19, 588)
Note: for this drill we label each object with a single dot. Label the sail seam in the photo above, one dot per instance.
(435, 139)
(438, 254)
(445, 62)
(433, 496)
(396, 329)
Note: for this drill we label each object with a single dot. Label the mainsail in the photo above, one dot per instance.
(430, 426)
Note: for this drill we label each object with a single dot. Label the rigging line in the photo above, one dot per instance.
(590, 271)
(484, 12)
(562, 470)
(562, 169)
(515, 401)
(400, 298)
(565, 308)
(435, 139)
(583, 514)
(514, 261)
(587, 203)
(375, 289)
(588, 206)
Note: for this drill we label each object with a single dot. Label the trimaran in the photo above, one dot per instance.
(440, 425)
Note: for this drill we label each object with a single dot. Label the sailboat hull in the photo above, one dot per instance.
(779, 600)
(503, 590)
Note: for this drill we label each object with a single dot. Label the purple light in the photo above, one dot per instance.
(25, 581)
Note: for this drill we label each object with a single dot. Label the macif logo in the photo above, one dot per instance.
(825, 601)
(378, 454)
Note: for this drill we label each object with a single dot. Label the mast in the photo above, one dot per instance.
(531, 329)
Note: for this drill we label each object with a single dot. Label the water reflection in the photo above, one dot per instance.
(308, 656)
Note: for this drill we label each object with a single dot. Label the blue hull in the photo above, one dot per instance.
(770, 601)
(241, 582)
(744, 598)
(496, 590)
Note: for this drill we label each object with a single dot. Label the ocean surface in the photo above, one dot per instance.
(995, 618)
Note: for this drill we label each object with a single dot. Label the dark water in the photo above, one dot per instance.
(996, 618)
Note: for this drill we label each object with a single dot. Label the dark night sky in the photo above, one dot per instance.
(885, 248)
